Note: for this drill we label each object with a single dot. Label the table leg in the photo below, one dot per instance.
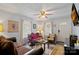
(48, 45)
(44, 47)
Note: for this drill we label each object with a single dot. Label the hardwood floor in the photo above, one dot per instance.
(57, 50)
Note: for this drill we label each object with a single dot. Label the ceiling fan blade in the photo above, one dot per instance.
(49, 14)
(39, 16)
(35, 14)
(56, 8)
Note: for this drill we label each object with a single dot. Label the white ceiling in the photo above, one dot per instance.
(26, 9)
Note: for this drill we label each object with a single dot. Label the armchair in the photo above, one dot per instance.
(51, 39)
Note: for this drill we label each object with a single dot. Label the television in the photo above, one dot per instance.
(74, 15)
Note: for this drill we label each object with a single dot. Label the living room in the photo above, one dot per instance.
(30, 26)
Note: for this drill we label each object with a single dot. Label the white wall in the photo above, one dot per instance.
(76, 31)
(37, 24)
(26, 28)
(4, 17)
(65, 29)
(34, 22)
(48, 28)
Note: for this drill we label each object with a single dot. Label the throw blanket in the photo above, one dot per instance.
(20, 48)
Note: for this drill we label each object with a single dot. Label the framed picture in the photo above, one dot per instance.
(74, 15)
(12, 26)
(1, 27)
(34, 26)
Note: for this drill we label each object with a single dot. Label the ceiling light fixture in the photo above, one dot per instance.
(43, 14)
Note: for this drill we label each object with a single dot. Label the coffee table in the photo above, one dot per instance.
(44, 42)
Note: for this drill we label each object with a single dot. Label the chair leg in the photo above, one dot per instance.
(48, 45)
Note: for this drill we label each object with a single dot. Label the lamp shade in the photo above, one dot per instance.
(1, 27)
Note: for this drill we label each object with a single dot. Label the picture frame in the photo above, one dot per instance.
(1, 27)
(12, 26)
(34, 26)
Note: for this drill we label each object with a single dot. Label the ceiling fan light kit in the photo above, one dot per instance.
(44, 14)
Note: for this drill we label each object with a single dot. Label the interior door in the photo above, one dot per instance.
(62, 30)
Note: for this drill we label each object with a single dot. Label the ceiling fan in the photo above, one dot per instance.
(44, 13)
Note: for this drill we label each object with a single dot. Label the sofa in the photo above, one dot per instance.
(19, 46)
(26, 51)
